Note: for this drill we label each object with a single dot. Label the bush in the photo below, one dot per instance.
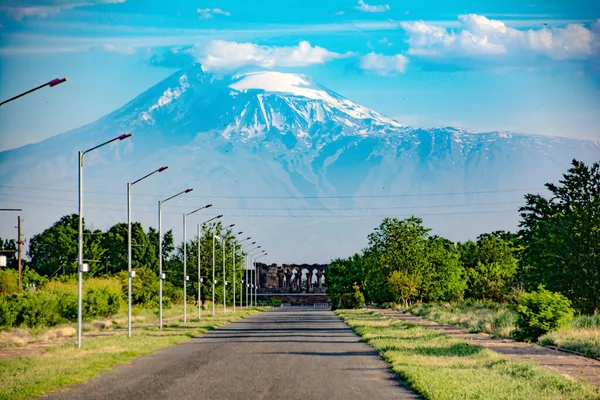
(101, 302)
(9, 281)
(8, 314)
(541, 312)
(275, 302)
(352, 300)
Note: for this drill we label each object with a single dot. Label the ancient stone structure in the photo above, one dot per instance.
(292, 278)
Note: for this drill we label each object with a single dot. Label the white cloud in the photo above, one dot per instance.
(207, 13)
(24, 9)
(384, 65)
(364, 7)
(479, 36)
(220, 54)
(117, 49)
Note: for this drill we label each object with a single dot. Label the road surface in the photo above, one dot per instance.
(285, 353)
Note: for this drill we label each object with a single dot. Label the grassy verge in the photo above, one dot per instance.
(440, 367)
(584, 341)
(491, 318)
(26, 377)
(582, 336)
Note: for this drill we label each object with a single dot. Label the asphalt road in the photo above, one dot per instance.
(285, 353)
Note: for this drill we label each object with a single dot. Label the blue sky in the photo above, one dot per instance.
(528, 66)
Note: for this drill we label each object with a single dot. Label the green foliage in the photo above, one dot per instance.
(342, 275)
(56, 248)
(275, 302)
(114, 243)
(562, 236)
(32, 278)
(541, 312)
(101, 302)
(404, 286)
(444, 278)
(9, 281)
(490, 267)
(352, 300)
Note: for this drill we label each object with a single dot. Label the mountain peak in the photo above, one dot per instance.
(278, 82)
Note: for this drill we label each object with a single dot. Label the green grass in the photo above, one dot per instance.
(438, 366)
(582, 336)
(31, 376)
(582, 340)
(494, 319)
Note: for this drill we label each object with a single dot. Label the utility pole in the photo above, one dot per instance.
(19, 244)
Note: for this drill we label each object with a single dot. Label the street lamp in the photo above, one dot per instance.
(233, 245)
(80, 265)
(130, 273)
(185, 277)
(242, 281)
(222, 240)
(256, 281)
(52, 83)
(199, 264)
(250, 285)
(161, 276)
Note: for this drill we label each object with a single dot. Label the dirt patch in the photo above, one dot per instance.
(569, 365)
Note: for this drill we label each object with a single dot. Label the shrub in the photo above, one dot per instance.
(541, 312)
(353, 300)
(275, 302)
(101, 302)
(9, 281)
(8, 314)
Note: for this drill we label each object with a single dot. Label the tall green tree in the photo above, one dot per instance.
(562, 233)
(55, 250)
(143, 253)
(396, 245)
(342, 275)
(490, 267)
(444, 279)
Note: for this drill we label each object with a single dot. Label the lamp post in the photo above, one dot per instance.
(242, 280)
(251, 285)
(257, 281)
(161, 276)
(80, 266)
(185, 276)
(130, 273)
(233, 245)
(200, 280)
(52, 83)
(213, 274)
(222, 240)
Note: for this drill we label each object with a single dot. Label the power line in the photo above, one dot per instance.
(280, 209)
(289, 197)
(290, 216)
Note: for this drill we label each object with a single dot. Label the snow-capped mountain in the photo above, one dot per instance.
(265, 147)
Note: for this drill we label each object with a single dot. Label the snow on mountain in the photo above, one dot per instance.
(303, 168)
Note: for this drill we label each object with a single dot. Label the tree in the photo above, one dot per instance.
(342, 275)
(57, 248)
(490, 267)
(396, 245)
(143, 253)
(167, 244)
(562, 233)
(404, 286)
(444, 279)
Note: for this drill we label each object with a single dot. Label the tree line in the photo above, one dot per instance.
(557, 246)
(53, 254)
